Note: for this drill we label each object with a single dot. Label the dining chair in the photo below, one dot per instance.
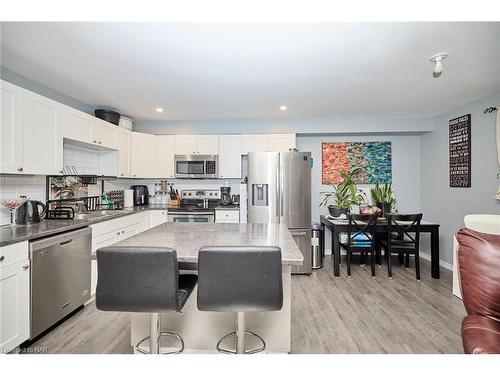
(360, 238)
(403, 238)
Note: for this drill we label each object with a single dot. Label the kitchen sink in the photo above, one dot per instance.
(89, 215)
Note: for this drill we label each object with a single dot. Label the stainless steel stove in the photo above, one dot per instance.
(197, 206)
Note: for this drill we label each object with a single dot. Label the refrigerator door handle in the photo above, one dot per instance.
(278, 193)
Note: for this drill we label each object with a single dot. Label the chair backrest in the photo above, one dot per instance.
(240, 278)
(407, 227)
(479, 272)
(362, 227)
(137, 279)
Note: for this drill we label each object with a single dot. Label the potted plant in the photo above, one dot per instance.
(383, 197)
(344, 194)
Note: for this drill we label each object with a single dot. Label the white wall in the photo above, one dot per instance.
(447, 206)
(405, 170)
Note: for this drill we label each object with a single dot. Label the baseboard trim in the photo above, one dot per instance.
(442, 263)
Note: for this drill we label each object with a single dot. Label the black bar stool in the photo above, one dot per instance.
(143, 279)
(240, 279)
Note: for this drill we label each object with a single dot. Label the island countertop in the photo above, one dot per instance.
(188, 238)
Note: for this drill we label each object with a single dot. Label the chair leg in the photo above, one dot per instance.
(372, 261)
(401, 258)
(362, 259)
(407, 260)
(417, 264)
(348, 263)
(389, 266)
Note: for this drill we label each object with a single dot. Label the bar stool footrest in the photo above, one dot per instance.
(165, 333)
(252, 351)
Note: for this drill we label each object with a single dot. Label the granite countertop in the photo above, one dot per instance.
(10, 234)
(188, 238)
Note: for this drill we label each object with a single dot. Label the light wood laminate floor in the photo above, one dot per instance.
(329, 315)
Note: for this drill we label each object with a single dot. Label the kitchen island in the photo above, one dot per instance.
(202, 330)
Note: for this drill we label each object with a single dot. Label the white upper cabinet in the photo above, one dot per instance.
(207, 144)
(254, 143)
(185, 144)
(76, 125)
(11, 128)
(144, 155)
(103, 133)
(281, 142)
(230, 156)
(166, 150)
(123, 144)
(43, 142)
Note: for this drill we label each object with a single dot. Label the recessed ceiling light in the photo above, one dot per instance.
(159, 110)
(283, 108)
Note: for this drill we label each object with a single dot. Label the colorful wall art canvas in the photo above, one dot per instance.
(374, 159)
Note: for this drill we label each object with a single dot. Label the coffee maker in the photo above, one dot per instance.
(225, 196)
(141, 195)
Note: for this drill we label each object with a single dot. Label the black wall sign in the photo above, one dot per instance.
(460, 151)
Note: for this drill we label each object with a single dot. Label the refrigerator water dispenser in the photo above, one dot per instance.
(260, 194)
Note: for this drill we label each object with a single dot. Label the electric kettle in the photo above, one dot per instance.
(28, 213)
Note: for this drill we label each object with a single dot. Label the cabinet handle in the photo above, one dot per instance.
(95, 141)
(122, 174)
(61, 172)
(99, 142)
(123, 231)
(20, 169)
(2, 258)
(117, 233)
(25, 267)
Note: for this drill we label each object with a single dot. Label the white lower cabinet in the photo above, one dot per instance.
(157, 217)
(112, 231)
(14, 296)
(227, 216)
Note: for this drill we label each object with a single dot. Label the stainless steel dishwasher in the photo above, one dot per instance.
(60, 277)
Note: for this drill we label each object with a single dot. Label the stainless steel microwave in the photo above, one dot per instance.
(196, 166)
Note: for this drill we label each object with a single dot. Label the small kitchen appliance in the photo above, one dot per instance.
(28, 213)
(196, 166)
(141, 195)
(225, 196)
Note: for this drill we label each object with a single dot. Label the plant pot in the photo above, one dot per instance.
(336, 212)
(385, 207)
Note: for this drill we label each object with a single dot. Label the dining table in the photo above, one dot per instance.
(339, 225)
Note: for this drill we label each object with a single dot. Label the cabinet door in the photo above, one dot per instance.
(103, 133)
(157, 217)
(254, 143)
(76, 125)
(166, 150)
(14, 305)
(185, 144)
(11, 128)
(230, 156)
(123, 140)
(144, 155)
(281, 142)
(207, 144)
(43, 141)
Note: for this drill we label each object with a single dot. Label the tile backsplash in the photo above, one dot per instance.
(13, 186)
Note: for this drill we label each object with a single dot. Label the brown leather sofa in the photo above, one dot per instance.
(479, 273)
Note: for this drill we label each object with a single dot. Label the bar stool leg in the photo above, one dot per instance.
(154, 347)
(240, 333)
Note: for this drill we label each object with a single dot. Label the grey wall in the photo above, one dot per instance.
(405, 170)
(447, 206)
(331, 125)
(26, 83)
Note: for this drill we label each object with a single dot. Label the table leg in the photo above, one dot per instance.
(435, 253)
(336, 253)
(378, 251)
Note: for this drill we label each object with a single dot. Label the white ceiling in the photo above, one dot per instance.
(246, 71)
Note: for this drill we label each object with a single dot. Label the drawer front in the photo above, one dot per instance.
(227, 216)
(14, 253)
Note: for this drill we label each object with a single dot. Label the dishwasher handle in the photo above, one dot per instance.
(60, 239)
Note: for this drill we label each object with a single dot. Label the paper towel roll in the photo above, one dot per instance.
(128, 198)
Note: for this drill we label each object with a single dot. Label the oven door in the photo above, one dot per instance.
(190, 217)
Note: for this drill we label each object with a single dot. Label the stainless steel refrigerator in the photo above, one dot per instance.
(279, 191)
